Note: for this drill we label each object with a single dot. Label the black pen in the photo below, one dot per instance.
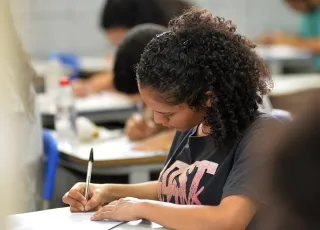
(89, 171)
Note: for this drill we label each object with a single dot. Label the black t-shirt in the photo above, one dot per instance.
(196, 172)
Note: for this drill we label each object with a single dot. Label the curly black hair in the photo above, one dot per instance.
(128, 56)
(202, 53)
(129, 13)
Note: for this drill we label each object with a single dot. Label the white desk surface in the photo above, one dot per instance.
(93, 64)
(118, 148)
(294, 83)
(102, 107)
(61, 218)
(96, 63)
(282, 52)
(94, 103)
(107, 101)
(113, 157)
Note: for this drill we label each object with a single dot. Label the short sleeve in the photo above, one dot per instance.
(250, 163)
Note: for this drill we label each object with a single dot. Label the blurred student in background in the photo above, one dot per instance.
(295, 173)
(139, 126)
(117, 18)
(309, 32)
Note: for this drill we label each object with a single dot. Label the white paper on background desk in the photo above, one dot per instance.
(282, 52)
(88, 63)
(58, 219)
(93, 103)
(294, 83)
(112, 149)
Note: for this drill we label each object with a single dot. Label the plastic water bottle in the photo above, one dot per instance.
(65, 117)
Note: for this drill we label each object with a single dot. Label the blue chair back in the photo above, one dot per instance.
(68, 60)
(51, 163)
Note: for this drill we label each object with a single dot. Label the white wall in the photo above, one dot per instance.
(253, 17)
(72, 25)
(60, 25)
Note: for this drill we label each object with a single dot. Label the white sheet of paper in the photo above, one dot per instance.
(146, 224)
(58, 219)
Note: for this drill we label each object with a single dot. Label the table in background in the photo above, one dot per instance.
(86, 64)
(113, 157)
(103, 107)
(277, 56)
(292, 91)
(287, 84)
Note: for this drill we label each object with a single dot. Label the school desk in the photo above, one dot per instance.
(102, 107)
(113, 156)
(292, 91)
(277, 56)
(86, 63)
(290, 84)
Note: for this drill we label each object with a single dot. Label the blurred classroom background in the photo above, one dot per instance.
(73, 26)
(50, 29)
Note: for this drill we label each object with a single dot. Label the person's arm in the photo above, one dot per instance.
(147, 190)
(97, 83)
(312, 44)
(102, 81)
(234, 212)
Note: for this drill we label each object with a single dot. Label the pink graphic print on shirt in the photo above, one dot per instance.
(177, 176)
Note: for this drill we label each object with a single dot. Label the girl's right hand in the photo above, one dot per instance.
(78, 203)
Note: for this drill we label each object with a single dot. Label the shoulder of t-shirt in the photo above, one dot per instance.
(262, 121)
(258, 133)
